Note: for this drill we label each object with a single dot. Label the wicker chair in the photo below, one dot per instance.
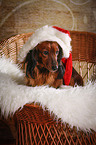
(36, 126)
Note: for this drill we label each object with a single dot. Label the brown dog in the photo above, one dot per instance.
(43, 66)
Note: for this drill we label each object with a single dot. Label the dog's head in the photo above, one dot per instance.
(46, 55)
(49, 55)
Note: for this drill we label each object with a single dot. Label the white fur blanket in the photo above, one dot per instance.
(76, 106)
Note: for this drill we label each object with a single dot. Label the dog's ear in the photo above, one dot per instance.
(61, 68)
(59, 55)
(61, 71)
(31, 62)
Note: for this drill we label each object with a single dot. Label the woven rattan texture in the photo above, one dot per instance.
(37, 134)
(83, 46)
(34, 114)
(34, 125)
(10, 48)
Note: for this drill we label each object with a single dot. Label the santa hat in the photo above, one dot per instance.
(51, 33)
(47, 33)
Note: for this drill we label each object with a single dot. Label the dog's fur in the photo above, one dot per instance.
(76, 79)
(43, 66)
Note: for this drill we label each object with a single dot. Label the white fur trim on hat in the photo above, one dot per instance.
(46, 33)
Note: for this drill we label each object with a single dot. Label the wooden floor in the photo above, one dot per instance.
(7, 134)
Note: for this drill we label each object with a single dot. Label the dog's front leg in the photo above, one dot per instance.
(57, 83)
(59, 77)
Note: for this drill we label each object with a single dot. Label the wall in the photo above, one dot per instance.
(22, 16)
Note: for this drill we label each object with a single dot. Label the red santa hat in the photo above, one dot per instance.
(51, 33)
(47, 33)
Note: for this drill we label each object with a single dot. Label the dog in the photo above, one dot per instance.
(43, 66)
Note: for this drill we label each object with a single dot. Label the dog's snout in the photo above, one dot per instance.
(54, 67)
(54, 64)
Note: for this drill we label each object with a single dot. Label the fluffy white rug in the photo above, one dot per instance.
(76, 106)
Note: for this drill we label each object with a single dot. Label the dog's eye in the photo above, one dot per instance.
(57, 52)
(45, 52)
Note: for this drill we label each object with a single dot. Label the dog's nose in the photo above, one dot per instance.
(54, 67)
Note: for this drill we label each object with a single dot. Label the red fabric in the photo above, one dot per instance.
(68, 69)
(67, 62)
(62, 30)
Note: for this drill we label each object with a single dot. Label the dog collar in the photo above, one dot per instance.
(47, 33)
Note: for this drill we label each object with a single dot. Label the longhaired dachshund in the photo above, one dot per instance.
(43, 66)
